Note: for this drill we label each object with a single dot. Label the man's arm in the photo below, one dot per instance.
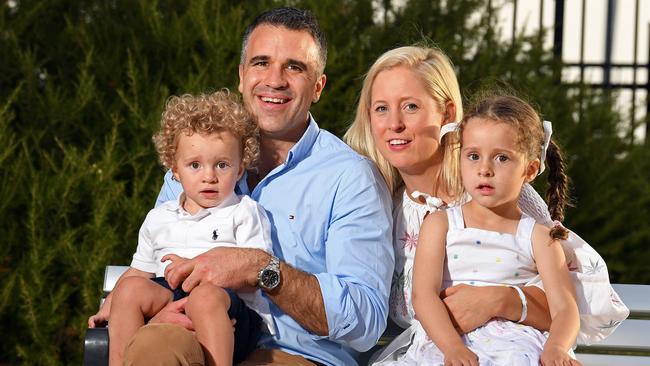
(298, 293)
(347, 301)
(359, 258)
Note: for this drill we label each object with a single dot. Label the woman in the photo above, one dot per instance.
(409, 100)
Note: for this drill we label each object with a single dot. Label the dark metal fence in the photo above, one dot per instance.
(607, 65)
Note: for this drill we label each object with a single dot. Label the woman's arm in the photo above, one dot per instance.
(552, 266)
(471, 306)
(427, 280)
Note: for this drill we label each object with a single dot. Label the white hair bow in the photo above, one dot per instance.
(449, 127)
(548, 131)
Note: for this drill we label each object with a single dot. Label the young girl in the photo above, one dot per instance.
(489, 241)
(207, 141)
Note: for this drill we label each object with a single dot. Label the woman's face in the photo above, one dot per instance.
(405, 120)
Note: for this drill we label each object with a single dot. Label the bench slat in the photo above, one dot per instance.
(610, 360)
(111, 275)
(631, 335)
(636, 298)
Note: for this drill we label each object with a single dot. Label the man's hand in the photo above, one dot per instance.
(469, 307)
(226, 267)
(174, 313)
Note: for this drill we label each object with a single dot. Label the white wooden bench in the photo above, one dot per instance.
(629, 345)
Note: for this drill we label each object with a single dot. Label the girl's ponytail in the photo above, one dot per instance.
(557, 193)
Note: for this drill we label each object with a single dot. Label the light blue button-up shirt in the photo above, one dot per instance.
(330, 213)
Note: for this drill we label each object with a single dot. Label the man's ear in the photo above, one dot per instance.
(241, 78)
(318, 88)
(532, 170)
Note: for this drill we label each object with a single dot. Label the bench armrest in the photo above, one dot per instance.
(96, 347)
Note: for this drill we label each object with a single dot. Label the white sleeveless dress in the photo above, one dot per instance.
(479, 258)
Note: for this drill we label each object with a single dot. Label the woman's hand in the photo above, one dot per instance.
(461, 356)
(469, 307)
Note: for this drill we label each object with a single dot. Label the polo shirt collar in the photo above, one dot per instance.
(177, 205)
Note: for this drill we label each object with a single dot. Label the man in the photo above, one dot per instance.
(329, 208)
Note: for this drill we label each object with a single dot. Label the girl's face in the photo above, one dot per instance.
(492, 166)
(208, 167)
(405, 120)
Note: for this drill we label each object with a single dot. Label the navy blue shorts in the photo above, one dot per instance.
(247, 328)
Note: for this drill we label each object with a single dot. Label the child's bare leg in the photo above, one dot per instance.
(134, 299)
(207, 307)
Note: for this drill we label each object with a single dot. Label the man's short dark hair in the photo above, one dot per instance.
(294, 19)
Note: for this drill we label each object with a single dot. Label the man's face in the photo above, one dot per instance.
(279, 80)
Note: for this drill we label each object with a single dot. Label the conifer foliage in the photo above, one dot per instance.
(82, 86)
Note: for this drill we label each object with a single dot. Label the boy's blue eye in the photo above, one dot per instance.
(195, 165)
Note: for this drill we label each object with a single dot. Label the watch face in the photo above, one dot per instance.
(270, 278)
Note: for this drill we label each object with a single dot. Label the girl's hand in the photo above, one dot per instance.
(100, 319)
(556, 356)
(461, 356)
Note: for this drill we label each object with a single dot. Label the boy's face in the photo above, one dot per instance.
(208, 167)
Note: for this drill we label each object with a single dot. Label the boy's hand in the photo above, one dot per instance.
(100, 319)
(175, 262)
(556, 356)
(462, 356)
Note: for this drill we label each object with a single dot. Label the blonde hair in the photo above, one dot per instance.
(437, 73)
(204, 114)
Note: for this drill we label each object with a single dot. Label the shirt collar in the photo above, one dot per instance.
(298, 152)
(301, 149)
(177, 205)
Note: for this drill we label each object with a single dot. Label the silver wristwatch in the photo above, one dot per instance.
(269, 277)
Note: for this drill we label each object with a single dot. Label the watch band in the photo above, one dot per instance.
(270, 271)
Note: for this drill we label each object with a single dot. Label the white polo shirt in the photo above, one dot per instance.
(237, 221)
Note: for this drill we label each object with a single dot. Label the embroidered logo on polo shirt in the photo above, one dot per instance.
(215, 234)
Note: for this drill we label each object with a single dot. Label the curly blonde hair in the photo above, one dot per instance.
(205, 114)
